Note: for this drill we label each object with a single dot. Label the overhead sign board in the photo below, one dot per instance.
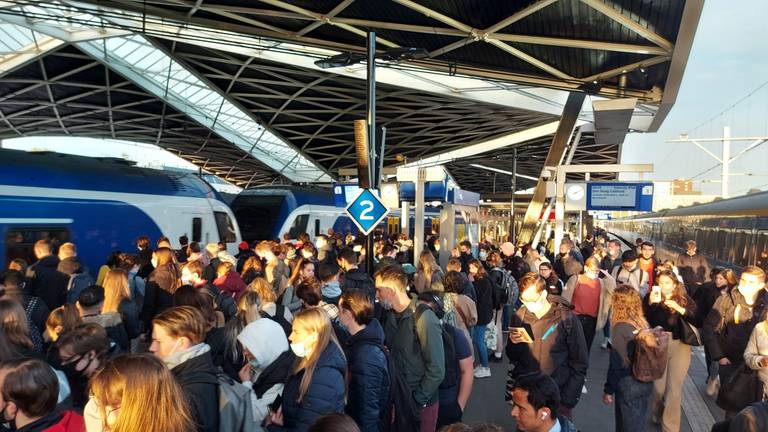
(608, 196)
(366, 211)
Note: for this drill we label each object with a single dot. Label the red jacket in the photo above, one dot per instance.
(231, 283)
(70, 422)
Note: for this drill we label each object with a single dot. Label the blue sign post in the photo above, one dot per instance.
(618, 196)
(366, 211)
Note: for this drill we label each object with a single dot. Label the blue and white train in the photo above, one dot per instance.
(269, 212)
(102, 205)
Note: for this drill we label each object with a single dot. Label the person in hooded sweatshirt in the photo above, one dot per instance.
(270, 362)
(317, 384)
(177, 339)
(43, 278)
(368, 370)
(29, 392)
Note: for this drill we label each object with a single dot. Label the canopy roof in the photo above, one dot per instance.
(495, 78)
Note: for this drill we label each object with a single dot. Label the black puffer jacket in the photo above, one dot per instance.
(369, 377)
(46, 282)
(197, 378)
(158, 292)
(325, 394)
(484, 288)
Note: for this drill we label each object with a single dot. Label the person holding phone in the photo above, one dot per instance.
(545, 336)
(668, 305)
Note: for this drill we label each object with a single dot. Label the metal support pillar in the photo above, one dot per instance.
(726, 161)
(418, 219)
(512, 236)
(405, 216)
(447, 233)
(375, 180)
(554, 156)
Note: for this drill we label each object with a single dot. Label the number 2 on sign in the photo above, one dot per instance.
(367, 209)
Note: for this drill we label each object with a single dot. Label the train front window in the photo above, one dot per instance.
(20, 241)
(257, 215)
(226, 227)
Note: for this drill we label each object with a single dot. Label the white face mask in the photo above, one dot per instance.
(154, 262)
(186, 279)
(535, 306)
(300, 349)
(437, 248)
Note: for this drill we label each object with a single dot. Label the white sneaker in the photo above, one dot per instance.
(605, 343)
(584, 389)
(482, 372)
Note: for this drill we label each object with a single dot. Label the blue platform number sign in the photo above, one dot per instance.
(366, 211)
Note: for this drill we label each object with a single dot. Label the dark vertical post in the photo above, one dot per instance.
(374, 176)
(512, 236)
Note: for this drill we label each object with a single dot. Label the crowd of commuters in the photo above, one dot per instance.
(298, 336)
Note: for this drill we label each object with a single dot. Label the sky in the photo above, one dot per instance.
(728, 60)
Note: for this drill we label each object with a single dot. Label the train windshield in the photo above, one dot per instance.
(257, 215)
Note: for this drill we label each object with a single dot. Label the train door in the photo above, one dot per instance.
(20, 239)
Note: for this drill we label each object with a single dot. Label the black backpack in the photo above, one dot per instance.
(402, 412)
(451, 377)
(279, 318)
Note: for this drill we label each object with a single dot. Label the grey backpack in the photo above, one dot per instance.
(236, 406)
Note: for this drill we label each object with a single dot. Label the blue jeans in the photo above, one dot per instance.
(632, 402)
(478, 336)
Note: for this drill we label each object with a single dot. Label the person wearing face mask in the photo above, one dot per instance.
(28, 396)
(317, 384)
(591, 298)
(733, 317)
(126, 387)
(669, 307)
(177, 339)
(546, 336)
(269, 363)
(81, 353)
(416, 344)
(325, 249)
(368, 370)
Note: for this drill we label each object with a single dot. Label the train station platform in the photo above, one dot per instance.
(487, 403)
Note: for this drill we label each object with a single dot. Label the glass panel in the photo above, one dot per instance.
(226, 227)
(197, 229)
(761, 250)
(20, 241)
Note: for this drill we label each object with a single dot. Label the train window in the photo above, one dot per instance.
(722, 245)
(761, 250)
(226, 227)
(20, 241)
(740, 248)
(317, 227)
(299, 226)
(197, 229)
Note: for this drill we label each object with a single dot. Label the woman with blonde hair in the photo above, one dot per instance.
(317, 386)
(128, 389)
(427, 272)
(117, 298)
(252, 268)
(303, 270)
(268, 300)
(14, 324)
(247, 312)
(631, 396)
(60, 320)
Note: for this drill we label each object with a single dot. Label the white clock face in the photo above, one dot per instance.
(575, 192)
